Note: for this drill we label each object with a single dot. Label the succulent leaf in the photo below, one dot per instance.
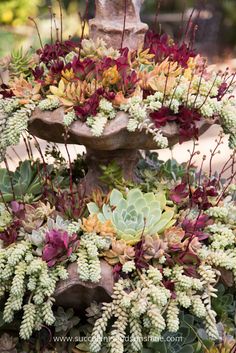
(92, 207)
(115, 197)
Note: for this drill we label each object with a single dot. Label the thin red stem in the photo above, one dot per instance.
(214, 152)
(200, 171)
(37, 29)
(51, 16)
(225, 188)
(188, 25)
(70, 168)
(55, 25)
(43, 161)
(192, 154)
(124, 23)
(83, 21)
(210, 90)
(189, 87)
(61, 18)
(225, 167)
(158, 6)
(26, 146)
(166, 82)
(200, 82)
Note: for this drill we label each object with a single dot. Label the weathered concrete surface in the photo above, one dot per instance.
(109, 23)
(74, 293)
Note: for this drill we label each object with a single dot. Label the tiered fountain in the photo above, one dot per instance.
(114, 19)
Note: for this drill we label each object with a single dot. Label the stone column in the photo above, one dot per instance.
(108, 23)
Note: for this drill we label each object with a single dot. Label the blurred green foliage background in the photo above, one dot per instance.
(16, 30)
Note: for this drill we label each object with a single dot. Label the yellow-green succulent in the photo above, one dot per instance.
(5, 217)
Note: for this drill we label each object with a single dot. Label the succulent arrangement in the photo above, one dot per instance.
(168, 251)
(149, 263)
(160, 83)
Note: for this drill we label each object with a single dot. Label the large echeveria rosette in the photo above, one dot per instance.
(135, 215)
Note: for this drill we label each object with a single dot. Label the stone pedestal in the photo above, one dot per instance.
(112, 33)
(126, 159)
(113, 17)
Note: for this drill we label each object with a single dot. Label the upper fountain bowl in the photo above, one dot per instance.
(48, 125)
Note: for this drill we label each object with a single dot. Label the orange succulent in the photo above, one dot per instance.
(24, 90)
(120, 98)
(93, 225)
(99, 198)
(143, 57)
(162, 78)
(119, 252)
(174, 236)
(68, 75)
(111, 76)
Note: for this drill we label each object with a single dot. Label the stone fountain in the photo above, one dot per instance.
(116, 143)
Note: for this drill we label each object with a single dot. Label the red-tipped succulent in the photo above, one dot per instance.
(59, 245)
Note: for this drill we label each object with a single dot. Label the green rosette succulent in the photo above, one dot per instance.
(135, 215)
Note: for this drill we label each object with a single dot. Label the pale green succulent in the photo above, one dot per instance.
(136, 215)
(5, 217)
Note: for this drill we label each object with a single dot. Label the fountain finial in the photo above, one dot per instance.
(108, 23)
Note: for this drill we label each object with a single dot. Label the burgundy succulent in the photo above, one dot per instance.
(163, 116)
(70, 205)
(128, 77)
(53, 51)
(38, 73)
(139, 253)
(57, 67)
(10, 234)
(171, 286)
(179, 193)
(186, 119)
(195, 228)
(5, 91)
(222, 90)
(59, 246)
(117, 270)
(201, 196)
(163, 47)
(90, 107)
(83, 69)
(18, 209)
(106, 94)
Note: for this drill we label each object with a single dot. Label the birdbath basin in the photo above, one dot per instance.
(115, 144)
